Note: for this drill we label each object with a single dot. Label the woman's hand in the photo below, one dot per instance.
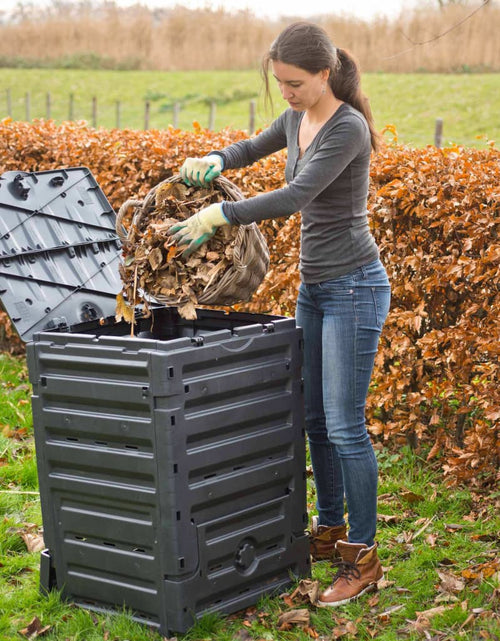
(201, 171)
(197, 229)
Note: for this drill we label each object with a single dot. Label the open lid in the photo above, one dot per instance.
(59, 251)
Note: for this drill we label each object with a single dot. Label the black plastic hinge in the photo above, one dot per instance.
(59, 324)
(197, 340)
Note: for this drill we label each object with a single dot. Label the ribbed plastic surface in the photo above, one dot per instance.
(172, 472)
(59, 251)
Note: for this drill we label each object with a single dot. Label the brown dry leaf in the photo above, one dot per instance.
(423, 620)
(388, 518)
(349, 628)
(449, 582)
(294, 617)
(123, 311)
(188, 311)
(155, 258)
(481, 571)
(34, 629)
(34, 542)
(306, 590)
(431, 539)
(411, 497)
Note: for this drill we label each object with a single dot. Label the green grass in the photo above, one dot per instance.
(469, 104)
(424, 528)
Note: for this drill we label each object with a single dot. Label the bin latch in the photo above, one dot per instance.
(197, 340)
(19, 188)
(268, 328)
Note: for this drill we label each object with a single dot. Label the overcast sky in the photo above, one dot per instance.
(364, 9)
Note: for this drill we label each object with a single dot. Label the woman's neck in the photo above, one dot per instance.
(324, 108)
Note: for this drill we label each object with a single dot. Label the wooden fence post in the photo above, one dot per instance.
(118, 114)
(251, 124)
(9, 103)
(211, 117)
(71, 114)
(94, 111)
(48, 105)
(438, 133)
(147, 110)
(27, 105)
(175, 114)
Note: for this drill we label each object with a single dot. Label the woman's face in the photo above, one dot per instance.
(299, 88)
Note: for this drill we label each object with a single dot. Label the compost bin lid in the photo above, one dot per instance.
(59, 251)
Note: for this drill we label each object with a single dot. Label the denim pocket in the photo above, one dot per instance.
(381, 303)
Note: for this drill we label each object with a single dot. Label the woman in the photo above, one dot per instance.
(344, 293)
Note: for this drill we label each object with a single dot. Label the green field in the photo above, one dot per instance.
(469, 104)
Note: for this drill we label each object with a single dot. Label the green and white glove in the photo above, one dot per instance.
(201, 171)
(198, 228)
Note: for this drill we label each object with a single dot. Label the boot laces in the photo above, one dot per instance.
(346, 570)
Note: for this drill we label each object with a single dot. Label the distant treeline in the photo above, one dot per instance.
(105, 36)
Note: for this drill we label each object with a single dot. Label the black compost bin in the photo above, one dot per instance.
(171, 463)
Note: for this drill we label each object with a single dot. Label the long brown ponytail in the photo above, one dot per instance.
(306, 45)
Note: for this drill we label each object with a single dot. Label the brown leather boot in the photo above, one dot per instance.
(359, 572)
(323, 539)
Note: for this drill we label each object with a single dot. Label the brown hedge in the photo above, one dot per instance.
(435, 214)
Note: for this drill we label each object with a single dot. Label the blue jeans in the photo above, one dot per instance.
(342, 319)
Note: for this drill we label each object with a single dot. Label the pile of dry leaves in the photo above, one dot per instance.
(153, 267)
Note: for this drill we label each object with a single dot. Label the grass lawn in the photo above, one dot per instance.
(439, 547)
(469, 104)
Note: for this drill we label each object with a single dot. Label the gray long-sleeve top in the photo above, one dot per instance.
(328, 185)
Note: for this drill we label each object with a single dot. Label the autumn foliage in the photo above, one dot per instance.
(435, 215)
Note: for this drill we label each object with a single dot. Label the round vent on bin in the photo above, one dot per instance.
(245, 559)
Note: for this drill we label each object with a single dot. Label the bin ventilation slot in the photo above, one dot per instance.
(109, 544)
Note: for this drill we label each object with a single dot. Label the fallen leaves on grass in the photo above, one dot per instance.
(34, 629)
(423, 621)
(307, 590)
(290, 618)
(347, 628)
(480, 571)
(34, 542)
(450, 583)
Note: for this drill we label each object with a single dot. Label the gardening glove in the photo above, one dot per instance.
(201, 171)
(198, 228)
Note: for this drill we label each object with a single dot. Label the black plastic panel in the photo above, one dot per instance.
(172, 472)
(59, 251)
